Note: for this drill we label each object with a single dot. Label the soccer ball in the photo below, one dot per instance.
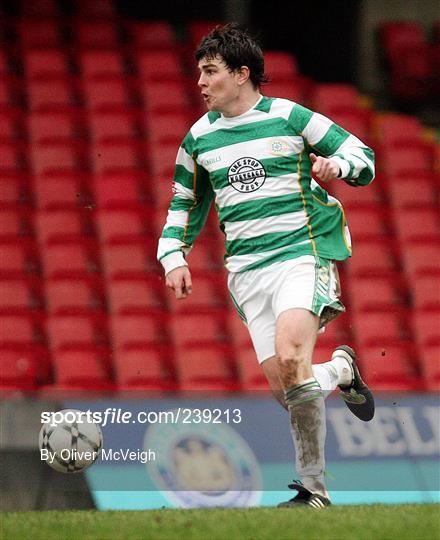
(69, 442)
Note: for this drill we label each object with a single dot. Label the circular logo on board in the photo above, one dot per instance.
(246, 174)
(203, 465)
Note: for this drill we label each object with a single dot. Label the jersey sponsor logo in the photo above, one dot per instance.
(211, 161)
(278, 147)
(246, 174)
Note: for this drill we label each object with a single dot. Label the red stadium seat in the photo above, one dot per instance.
(61, 191)
(430, 356)
(425, 290)
(15, 223)
(119, 224)
(392, 128)
(203, 367)
(18, 259)
(323, 351)
(417, 223)
(207, 259)
(151, 34)
(238, 331)
(367, 222)
(352, 198)
(50, 94)
(144, 369)
(194, 328)
(411, 191)
(107, 94)
(97, 63)
(375, 327)
(135, 295)
(119, 190)
(165, 96)
(330, 96)
(74, 295)
(58, 157)
(21, 329)
(83, 369)
(354, 121)
(119, 126)
(162, 189)
(76, 258)
(389, 367)
(406, 162)
(421, 255)
(168, 128)
(20, 294)
(53, 127)
(208, 292)
(11, 125)
(14, 190)
(339, 330)
(18, 369)
(163, 160)
(40, 9)
(52, 225)
(76, 330)
(291, 89)
(159, 65)
(250, 372)
(133, 257)
(280, 66)
(138, 329)
(96, 34)
(4, 64)
(376, 293)
(399, 36)
(374, 257)
(12, 157)
(99, 9)
(116, 157)
(41, 63)
(37, 32)
(11, 94)
(426, 324)
(5, 94)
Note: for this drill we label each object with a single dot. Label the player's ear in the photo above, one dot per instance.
(243, 75)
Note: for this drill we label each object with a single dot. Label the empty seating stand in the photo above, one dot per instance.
(93, 109)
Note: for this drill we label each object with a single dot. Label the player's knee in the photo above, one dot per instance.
(292, 354)
(291, 359)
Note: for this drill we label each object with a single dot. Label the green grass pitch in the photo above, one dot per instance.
(354, 522)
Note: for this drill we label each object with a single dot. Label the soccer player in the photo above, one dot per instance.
(255, 155)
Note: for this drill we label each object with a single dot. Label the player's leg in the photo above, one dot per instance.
(329, 375)
(296, 332)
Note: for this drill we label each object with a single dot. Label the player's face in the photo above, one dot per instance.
(217, 84)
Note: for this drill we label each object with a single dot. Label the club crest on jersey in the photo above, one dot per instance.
(246, 174)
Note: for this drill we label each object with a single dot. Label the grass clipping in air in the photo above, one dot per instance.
(401, 522)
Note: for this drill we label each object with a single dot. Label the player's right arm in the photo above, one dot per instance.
(186, 217)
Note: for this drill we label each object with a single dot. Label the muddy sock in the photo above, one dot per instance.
(307, 419)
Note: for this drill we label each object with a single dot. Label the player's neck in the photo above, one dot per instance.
(246, 101)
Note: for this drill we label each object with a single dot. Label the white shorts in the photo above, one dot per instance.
(261, 295)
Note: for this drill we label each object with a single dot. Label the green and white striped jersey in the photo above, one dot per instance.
(257, 168)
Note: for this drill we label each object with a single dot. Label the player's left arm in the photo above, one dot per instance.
(335, 153)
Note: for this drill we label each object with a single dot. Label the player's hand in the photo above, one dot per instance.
(179, 280)
(324, 169)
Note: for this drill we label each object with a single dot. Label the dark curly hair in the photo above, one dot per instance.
(237, 48)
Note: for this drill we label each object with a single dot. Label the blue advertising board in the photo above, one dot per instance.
(237, 451)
